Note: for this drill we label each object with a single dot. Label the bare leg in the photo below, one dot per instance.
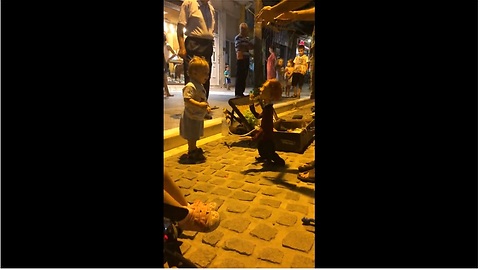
(173, 191)
(168, 199)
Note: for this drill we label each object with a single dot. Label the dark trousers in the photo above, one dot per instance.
(266, 149)
(174, 213)
(242, 73)
(199, 47)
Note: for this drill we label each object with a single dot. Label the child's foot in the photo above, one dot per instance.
(196, 155)
(200, 219)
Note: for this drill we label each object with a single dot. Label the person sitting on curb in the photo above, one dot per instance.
(270, 91)
(197, 217)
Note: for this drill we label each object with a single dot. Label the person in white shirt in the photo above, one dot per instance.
(197, 17)
(300, 68)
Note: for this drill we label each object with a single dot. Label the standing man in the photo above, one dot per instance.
(242, 46)
(197, 18)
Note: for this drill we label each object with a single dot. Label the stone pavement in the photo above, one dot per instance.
(260, 209)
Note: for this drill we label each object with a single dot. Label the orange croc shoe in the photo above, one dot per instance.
(200, 219)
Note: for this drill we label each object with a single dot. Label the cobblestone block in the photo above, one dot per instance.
(252, 179)
(307, 190)
(309, 228)
(219, 202)
(265, 183)
(197, 196)
(221, 174)
(251, 188)
(229, 263)
(221, 191)
(271, 191)
(271, 255)
(298, 208)
(185, 247)
(209, 172)
(202, 256)
(264, 232)
(240, 245)
(190, 175)
(236, 224)
(235, 184)
(212, 238)
(233, 168)
(270, 174)
(243, 196)
(236, 176)
(302, 262)
(287, 219)
(217, 181)
(237, 207)
(185, 183)
(196, 168)
(260, 213)
(188, 235)
(203, 187)
(185, 192)
(270, 202)
(217, 166)
(223, 161)
(290, 177)
(203, 178)
(292, 196)
(299, 240)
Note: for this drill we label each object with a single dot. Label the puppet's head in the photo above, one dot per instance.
(271, 90)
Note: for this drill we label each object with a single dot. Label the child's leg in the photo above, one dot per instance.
(194, 152)
(192, 145)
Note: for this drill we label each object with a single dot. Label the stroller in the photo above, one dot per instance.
(172, 255)
(240, 121)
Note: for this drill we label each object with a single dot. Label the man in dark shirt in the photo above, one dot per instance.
(271, 90)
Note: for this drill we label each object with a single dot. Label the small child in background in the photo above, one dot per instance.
(280, 69)
(270, 91)
(228, 80)
(196, 107)
(288, 77)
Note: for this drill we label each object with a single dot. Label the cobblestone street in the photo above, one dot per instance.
(261, 210)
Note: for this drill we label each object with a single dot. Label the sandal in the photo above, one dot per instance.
(197, 203)
(308, 176)
(307, 166)
(200, 219)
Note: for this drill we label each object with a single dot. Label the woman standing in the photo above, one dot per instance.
(271, 61)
